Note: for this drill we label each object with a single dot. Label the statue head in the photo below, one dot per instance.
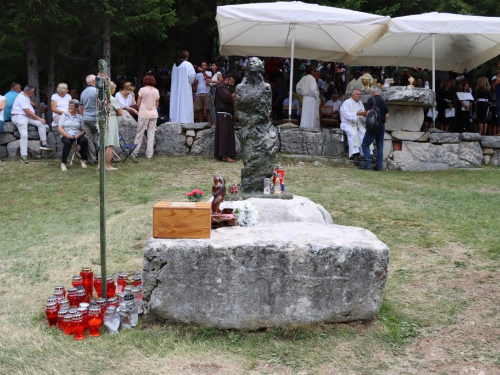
(255, 70)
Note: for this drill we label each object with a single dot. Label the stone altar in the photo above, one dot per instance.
(266, 275)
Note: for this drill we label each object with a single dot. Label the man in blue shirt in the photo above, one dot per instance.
(15, 89)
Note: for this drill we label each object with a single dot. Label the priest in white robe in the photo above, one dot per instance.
(181, 93)
(352, 113)
(308, 88)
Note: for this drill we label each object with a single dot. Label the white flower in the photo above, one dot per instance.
(247, 214)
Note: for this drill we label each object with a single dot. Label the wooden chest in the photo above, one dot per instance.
(182, 219)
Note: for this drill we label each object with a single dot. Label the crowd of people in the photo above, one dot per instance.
(205, 92)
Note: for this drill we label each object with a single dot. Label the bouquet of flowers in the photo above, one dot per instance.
(195, 195)
(247, 214)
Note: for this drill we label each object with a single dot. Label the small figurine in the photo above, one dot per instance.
(277, 185)
(219, 193)
(410, 82)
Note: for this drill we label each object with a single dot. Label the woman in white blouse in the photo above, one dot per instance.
(72, 131)
(59, 102)
(216, 78)
(127, 100)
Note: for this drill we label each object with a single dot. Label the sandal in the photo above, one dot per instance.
(228, 160)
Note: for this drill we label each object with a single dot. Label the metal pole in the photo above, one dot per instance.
(290, 97)
(102, 84)
(433, 77)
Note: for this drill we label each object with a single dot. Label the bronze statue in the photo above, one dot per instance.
(219, 193)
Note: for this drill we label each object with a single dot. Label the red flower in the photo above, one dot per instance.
(190, 194)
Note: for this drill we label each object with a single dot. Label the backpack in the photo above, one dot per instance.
(374, 119)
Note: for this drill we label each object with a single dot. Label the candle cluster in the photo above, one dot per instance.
(76, 311)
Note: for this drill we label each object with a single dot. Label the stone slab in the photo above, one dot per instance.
(299, 209)
(410, 136)
(196, 126)
(470, 137)
(416, 156)
(404, 118)
(317, 142)
(266, 276)
(403, 96)
(442, 138)
(490, 141)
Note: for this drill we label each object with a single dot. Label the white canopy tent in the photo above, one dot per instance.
(297, 30)
(442, 41)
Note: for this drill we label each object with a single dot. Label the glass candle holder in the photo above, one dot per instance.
(60, 288)
(110, 287)
(78, 327)
(95, 321)
(60, 318)
(88, 278)
(98, 285)
(68, 324)
(51, 312)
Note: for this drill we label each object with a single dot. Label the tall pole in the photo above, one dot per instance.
(433, 77)
(290, 97)
(102, 84)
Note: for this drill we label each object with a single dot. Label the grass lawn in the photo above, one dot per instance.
(440, 313)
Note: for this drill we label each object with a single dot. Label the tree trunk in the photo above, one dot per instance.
(50, 72)
(106, 42)
(31, 54)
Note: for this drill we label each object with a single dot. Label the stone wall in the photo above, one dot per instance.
(420, 151)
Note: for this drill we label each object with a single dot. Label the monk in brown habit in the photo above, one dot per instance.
(225, 147)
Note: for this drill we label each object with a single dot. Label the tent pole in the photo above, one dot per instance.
(433, 77)
(290, 97)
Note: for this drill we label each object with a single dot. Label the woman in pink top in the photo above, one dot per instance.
(148, 101)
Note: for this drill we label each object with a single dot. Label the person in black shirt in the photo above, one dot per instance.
(377, 137)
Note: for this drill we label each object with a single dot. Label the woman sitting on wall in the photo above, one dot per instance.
(127, 100)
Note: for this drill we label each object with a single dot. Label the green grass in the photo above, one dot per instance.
(441, 227)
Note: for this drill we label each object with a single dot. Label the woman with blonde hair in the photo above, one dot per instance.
(484, 99)
(127, 100)
(59, 102)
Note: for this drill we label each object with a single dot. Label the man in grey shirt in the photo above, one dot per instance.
(89, 112)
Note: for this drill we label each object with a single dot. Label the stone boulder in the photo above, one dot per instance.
(203, 143)
(3, 151)
(311, 142)
(6, 138)
(299, 209)
(404, 118)
(266, 276)
(417, 156)
(13, 148)
(170, 139)
(9, 127)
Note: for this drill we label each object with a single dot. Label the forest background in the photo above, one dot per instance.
(44, 42)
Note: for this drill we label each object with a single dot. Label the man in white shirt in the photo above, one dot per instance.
(202, 101)
(181, 92)
(351, 112)
(335, 103)
(23, 114)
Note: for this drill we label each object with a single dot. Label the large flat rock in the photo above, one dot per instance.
(492, 141)
(404, 118)
(311, 142)
(266, 275)
(416, 156)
